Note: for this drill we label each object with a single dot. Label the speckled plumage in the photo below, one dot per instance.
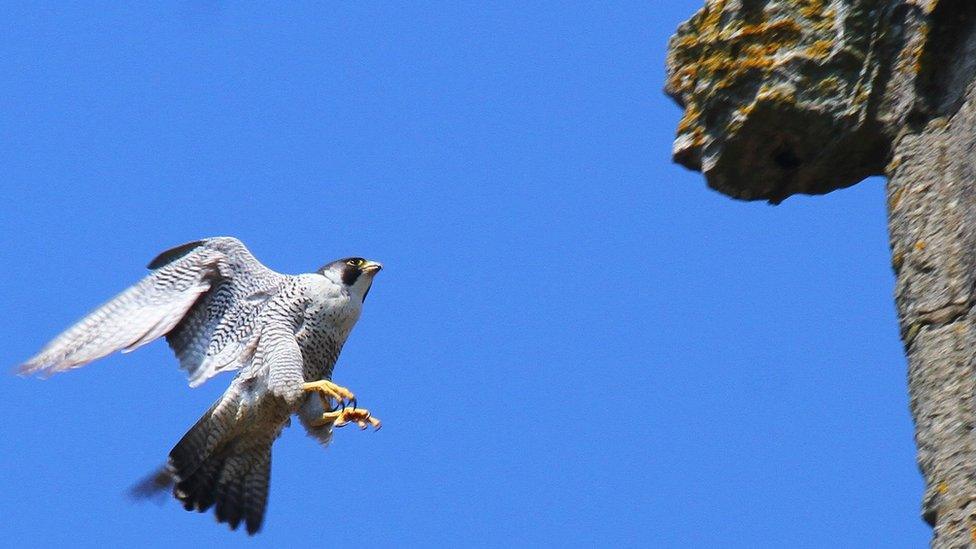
(221, 309)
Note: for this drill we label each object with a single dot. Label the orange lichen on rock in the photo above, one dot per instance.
(713, 51)
(815, 10)
(734, 65)
(820, 49)
(783, 30)
(689, 119)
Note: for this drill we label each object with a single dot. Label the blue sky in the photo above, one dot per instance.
(574, 341)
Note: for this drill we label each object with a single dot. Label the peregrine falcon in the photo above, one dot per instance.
(220, 310)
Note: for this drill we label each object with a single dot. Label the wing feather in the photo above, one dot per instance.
(195, 295)
(167, 318)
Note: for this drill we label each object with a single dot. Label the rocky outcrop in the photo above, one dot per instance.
(807, 96)
(800, 96)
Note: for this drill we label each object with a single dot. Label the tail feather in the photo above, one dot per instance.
(230, 494)
(241, 491)
(196, 492)
(256, 486)
(205, 439)
(220, 464)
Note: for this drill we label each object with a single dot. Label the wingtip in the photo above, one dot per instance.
(39, 370)
(26, 369)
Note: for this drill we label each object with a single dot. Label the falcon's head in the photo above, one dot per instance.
(355, 273)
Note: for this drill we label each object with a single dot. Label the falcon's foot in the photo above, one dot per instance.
(340, 418)
(344, 411)
(331, 392)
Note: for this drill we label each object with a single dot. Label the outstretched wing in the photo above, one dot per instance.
(200, 294)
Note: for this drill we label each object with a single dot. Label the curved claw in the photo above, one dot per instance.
(360, 416)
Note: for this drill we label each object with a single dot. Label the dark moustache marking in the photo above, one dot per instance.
(350, 274)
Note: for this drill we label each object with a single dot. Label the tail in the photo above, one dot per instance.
(220, 463)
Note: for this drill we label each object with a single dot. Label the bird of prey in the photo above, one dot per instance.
(220, 310)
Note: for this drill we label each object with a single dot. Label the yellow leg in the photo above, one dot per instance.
(330, 391)
(340, 418)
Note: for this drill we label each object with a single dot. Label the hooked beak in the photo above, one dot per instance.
(371, 267)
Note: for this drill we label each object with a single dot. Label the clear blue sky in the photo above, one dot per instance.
(574, 342)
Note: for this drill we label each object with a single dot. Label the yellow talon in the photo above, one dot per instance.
(343, 398)
(328, 390)
(340, 418)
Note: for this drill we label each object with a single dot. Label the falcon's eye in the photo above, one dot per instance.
(355, 262)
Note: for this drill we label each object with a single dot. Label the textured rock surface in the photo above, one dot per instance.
(932, 221)
(784, 97)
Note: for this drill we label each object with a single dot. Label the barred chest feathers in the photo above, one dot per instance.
(330, 315)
